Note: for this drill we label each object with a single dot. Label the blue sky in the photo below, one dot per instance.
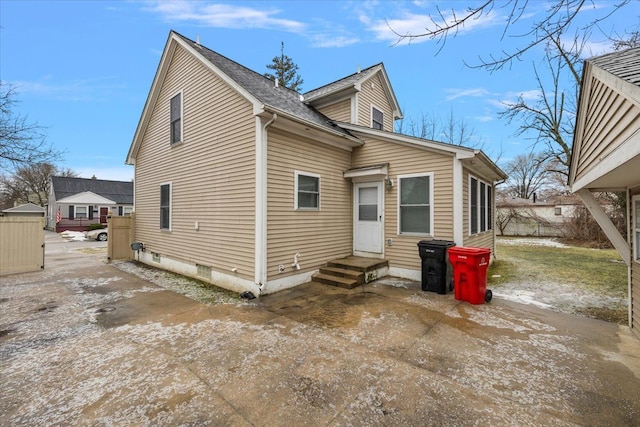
(83, 69)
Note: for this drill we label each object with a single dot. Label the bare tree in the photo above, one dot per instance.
(549, 119)
(29, 183)
(450, 130)
(21, 142)
(527, 175)
(285, 71)
(559, 15)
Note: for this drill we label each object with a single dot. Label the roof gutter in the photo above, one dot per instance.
(283, 114)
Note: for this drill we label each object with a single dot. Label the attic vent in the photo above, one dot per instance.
(276, 80)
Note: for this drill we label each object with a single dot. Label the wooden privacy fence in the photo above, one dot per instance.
(120, 229)
(21, 244)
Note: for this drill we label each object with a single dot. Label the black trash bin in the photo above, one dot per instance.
(437, 273)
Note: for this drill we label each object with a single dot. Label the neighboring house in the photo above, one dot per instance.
(535, 217)
(76, 203)
(255, 187)
(606, 152)
(28, 209)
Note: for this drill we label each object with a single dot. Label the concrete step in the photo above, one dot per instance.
(359, 264)
(343, 282)
(343, 272)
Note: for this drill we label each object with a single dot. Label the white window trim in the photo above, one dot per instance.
(295, 197)
(431, 203)
(635, 230)
(86, 212)
(173, 144)
(170, 184)
(489, 201)
(371, 116)
(125, 209)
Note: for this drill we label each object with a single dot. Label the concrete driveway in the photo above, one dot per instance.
(84, 343)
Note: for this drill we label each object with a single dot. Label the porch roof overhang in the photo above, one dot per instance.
(86, 198)
(615, 172)
(368, 173)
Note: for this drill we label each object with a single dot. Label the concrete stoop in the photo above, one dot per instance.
(351, 271)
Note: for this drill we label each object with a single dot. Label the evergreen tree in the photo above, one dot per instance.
(285, 70)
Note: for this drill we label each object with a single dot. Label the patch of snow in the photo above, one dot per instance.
(73, 236)
(527, 241)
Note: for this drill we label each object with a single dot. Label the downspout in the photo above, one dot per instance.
(629, 267)
(260, 254)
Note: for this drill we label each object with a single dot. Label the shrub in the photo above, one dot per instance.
(96, 227)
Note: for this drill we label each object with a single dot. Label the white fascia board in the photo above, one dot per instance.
(626, 151)
(460, 152)
(622, 87)
(152, 97)
(173, 41)
(351, 140)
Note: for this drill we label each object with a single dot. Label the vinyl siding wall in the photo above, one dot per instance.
(212, 173)
(319, 236)
(340, 111)
(610, 120)
(635, 277)
(404, 160)
(485, 239)
(374, 96)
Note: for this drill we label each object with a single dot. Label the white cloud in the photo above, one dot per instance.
(513, 97)
(224, 15)
(455, 93)
(333, 41)
(414, 24)
(485, 118)
(76, 90)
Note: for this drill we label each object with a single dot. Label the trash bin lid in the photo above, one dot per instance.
(436, 243)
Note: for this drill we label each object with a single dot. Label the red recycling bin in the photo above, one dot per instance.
(470, 273)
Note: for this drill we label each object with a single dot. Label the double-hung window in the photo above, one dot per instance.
(165, 206)
(176, 119)
(414, 204)
(81, 212)
(377, 118)
(307, 191)
(480, 206)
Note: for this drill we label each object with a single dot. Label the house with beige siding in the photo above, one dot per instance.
(606, 153)
(255, 187)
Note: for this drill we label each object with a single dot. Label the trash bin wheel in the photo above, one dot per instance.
(488, 295)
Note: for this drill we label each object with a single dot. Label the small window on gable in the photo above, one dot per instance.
(307, 192)
(176, 119)
(377, 118)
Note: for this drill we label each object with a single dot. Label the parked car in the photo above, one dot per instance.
(99, 234)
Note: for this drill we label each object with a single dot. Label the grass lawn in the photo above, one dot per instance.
(596, 277)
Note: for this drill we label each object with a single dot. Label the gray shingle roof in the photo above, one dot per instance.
(341, 84)
(120, 192)
(624, 64)
(263, 89)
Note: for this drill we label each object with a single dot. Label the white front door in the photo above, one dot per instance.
(367, 212)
